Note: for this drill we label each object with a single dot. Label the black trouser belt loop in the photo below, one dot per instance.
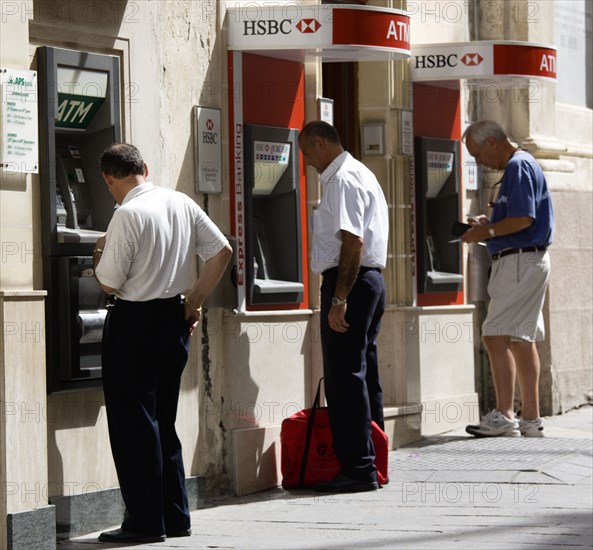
(518, 251)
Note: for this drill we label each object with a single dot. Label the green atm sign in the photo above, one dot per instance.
(77, 111)
(81, 92)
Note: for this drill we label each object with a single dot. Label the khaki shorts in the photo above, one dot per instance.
(517, 290)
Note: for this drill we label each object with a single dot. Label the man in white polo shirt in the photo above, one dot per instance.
(145, 260)
(350, 230)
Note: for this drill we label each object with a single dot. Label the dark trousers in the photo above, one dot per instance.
(351, 371)
(144, 351)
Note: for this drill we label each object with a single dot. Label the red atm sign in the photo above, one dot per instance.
(514, 59)
(371, 28)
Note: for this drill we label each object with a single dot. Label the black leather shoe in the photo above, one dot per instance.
(121, 535)
(183, 533)
(344, 484)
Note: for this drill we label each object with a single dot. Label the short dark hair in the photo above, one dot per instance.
(319, 128)
(122, 160)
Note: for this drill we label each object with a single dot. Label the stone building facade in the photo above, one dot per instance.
(250, 367)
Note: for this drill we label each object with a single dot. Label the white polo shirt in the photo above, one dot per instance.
(151, 244)
(352, 201)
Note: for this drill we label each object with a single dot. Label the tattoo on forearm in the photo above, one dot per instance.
(348, 269)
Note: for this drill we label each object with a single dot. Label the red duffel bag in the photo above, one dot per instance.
(307, 449)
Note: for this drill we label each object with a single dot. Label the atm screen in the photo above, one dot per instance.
(439, 166)
(269, 164)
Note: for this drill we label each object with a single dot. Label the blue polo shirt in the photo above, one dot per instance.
(523, 192)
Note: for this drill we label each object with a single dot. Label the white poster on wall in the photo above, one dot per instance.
(325, 107)
(407, 133)
(19, 135)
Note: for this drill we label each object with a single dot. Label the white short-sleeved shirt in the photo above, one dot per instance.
(151, 244)
(352, 201)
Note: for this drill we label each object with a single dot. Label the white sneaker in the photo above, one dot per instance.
(531, 428)
(494, 424)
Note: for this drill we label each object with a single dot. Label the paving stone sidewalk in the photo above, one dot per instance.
(447, 492)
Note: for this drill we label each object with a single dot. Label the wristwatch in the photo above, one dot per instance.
(491, 232)
(337, 302)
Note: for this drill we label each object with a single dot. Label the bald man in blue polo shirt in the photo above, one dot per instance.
(517, 234)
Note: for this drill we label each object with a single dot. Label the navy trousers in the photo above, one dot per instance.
(351, 371)
(144, 351)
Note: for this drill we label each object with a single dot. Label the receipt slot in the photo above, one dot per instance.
(78, 118)
(437, 208)
(272, 210)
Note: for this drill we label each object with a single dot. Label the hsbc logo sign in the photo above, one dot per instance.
(472, 59)
(308, 25)
(440, 61)
(209, 136)
(269, 27)
(435, 61)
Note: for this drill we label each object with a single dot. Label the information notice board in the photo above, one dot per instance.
(19, 135)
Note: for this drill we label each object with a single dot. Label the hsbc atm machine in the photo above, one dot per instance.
(437, 208)
(79, 117)
(272, 211)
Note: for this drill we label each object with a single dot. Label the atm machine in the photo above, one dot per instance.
(79, 117)
(272, 211)
(437, 170)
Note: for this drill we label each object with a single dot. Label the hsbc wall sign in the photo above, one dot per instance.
(285, 26)
(451, 60)
(267, 27)
(341, 32)
(207, 150)
(483, 60)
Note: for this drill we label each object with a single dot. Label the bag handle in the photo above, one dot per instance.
(310, 423)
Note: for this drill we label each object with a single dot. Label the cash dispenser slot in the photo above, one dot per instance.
(79, 312)
(274, 266)
(435, 276)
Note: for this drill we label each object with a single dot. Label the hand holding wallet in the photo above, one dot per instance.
(459, 228)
